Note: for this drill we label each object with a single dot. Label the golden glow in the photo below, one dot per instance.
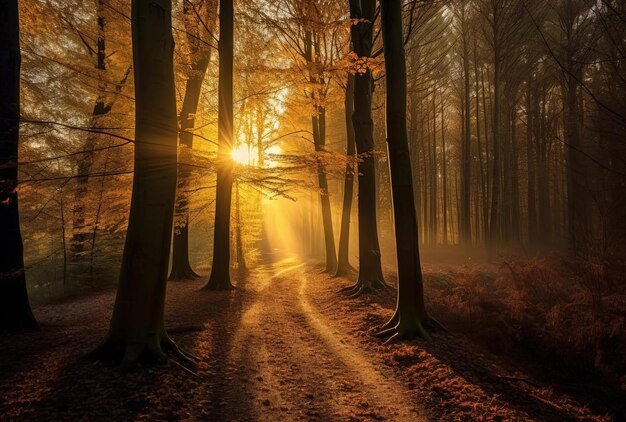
(243, 154)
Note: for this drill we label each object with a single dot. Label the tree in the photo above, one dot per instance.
(204, 15)
(370, 269)
(410, 318)
(15, 313)
(343, 258)
(137, 331)
(220, 270)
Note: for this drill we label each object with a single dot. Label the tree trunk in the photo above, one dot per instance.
(343, 261)
(242, 269)
(220, 269)
(201, 56)
(410, 318)
(370, 269)
(444, 171)
(137, 330)
(531, 161)
(15, 313)
(466, 161)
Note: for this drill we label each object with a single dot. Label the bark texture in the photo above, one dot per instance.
(410, 318)
(201, 56)
(15, 313)
(220, 270)
(343, 258)
(137, 332)
(370, 269)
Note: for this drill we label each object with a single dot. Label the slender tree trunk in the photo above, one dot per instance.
(531, 161)
(370, 269)
(343, 261)
(410, 318)
(481, 156)
(577, 199)
(318, 122)
(242, 269)
(496, 212)
(435, 179)
(220, 270)
(444, 173)
(515, 202)
(137, 331)
(15, 313)
(466, 161)
(201, 56)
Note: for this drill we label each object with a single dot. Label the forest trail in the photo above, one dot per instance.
(304, 367)
(283, 346)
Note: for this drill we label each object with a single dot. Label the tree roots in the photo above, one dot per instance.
(399, 329)
(365, 286)
(130, 355)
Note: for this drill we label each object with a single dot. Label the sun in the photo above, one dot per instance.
(242, 154)
(248, 155)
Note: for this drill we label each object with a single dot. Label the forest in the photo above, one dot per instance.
(313, 210)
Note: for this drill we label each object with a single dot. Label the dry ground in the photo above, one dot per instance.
(283, 346)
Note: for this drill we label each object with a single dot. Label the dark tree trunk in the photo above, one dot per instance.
(466, 162)
(318, 123)
(343, 260)
(370, 269)
(410, 318)
(531, 160)
(220, 270)
(444, 173)
(137, 331)
(15, 313)
(242, 269)
(495, 217)
(577, 198)
(201, 56)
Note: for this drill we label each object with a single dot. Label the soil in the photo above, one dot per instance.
(285, 345)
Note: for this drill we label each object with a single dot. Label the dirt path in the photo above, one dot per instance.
(281, 347)
(302, 367)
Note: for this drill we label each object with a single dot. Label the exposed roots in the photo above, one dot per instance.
(365, 286)
(398, 329)
(130, 355)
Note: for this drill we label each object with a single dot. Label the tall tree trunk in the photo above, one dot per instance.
(444, 171)
(343, 261)
(577, 200)
(220, 269)
(318, 122)
(483, 182)
(434, 215)
(242, 268)
(495, 234)
(531, 167)
(137, 331)
(410, 318)
(370, 269)
(15, 313)
(466, 161)
(201, 56)
(514, 163)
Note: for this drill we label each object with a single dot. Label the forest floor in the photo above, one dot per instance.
(283, 346)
